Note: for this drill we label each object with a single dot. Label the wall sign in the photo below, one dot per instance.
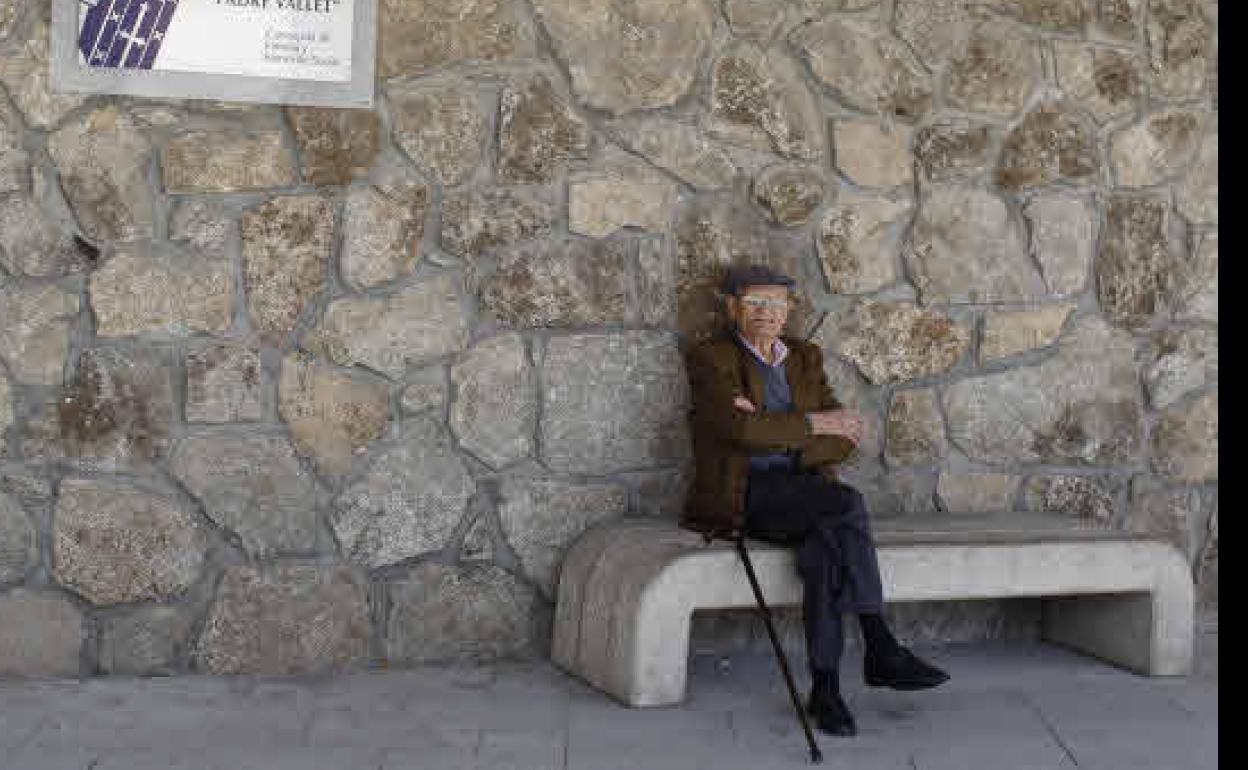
(318, 52)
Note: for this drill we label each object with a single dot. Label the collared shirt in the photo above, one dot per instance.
(779, 351)
(777, 397)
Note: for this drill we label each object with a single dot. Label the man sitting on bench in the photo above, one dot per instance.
(767, 435)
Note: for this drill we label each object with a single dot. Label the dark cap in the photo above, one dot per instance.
(737, 278)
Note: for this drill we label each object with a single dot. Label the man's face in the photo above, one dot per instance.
(760, 311)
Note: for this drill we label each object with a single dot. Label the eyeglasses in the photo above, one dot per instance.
(765, 303)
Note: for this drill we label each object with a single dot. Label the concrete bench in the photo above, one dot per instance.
(628, 589)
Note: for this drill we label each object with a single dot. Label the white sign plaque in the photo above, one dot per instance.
(285, 51)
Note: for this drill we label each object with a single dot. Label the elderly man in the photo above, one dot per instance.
(768, 433)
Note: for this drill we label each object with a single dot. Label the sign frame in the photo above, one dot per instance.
(67, 74)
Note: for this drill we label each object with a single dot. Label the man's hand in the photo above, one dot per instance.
(838, 422)
(744, 404)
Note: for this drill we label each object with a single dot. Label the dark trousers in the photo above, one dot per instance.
(826, 522)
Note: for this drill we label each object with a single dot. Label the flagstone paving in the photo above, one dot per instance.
(1008, 706)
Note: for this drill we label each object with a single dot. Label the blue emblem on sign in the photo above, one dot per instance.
(124, 33)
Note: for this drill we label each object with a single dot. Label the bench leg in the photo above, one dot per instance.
(1149, 633)
(644, 669)
(653, 667)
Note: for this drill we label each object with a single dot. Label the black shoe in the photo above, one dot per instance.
(831, 714)
(901, 669)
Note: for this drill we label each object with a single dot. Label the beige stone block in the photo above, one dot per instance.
(335, 145)
(476, 222)
(1053, 143)
(894, 342)
(866, 66)
(936, 29)
(951, 147)
(1087, 500)
(224, 382)
(564, 283)
(333, 415)
(1187, 361)
(420, 36)
(977, 492)
(624, 57)
(859, 243)
(1156, 149)
(1061, 229)
(113, 543)
(101, 157)
(678, 148)
(495, 410)
(1181, 45)
(600, 203)
(872, 154)
(916, 429)
(115, 414)
(994, 71)
(26, 75)
(382, 227)
(173, 293)
(472, 613)
(537, 132)
(34, 243)
(227, 160)
(442, 127)
(1135, 266)
(965, 247)
(410, 500)
(35, 324)
(542, 518)
(1010, 333)
(253, 486)
(613, 402)
(1185, 441)
(413, 327)
(286, 620)
(1197, 194)
(1080, 406)
(286, 247)
(1106, 81)
(759, 100)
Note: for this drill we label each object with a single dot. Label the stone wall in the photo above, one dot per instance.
(295, 390)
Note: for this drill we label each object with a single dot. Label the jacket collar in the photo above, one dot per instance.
(753, 379)
(780, 350)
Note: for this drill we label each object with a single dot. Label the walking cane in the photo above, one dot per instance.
(816, 757)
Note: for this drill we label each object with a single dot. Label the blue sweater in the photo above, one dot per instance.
(777, 397)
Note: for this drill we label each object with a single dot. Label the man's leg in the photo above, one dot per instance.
(829, 523)
(783, 508)
(842, 516)
(787, 509)
(886, 663)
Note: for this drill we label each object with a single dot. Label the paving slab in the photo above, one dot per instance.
(608, 736)
(1008, 706)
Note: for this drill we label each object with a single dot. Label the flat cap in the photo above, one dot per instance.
(737, 278)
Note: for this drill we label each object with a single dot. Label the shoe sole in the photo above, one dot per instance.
(905, 686)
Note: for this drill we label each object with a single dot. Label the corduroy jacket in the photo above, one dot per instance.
(724, 437)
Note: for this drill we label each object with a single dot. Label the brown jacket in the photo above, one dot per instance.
(724, 437)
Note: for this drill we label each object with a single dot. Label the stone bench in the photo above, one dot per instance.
(628, 589)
